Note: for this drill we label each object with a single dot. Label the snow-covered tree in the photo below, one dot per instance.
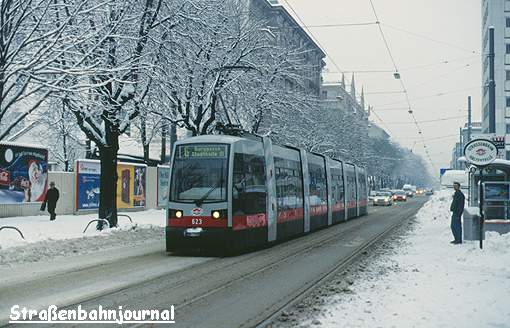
(33, 36)
(111, 65)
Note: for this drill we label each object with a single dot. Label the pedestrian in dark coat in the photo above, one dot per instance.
(457, 208)
(50, 201)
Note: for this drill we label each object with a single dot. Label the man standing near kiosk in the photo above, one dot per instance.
(457, 207)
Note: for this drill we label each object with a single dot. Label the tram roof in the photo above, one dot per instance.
(212, 138)
(226, 139)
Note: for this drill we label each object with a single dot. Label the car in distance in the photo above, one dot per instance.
(372, 195)
(383, 198)
(400, 196)
(429, 192)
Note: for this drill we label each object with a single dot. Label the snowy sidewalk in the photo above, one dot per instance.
(46, 239)
(429, 282)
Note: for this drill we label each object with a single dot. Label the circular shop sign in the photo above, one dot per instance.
(480, 152)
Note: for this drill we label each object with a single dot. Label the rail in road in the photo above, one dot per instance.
(249, 290)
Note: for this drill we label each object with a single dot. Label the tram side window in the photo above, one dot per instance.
(318, 186)
(363, 186)
(289, 184)
(337, 186)
(249, 185)
(351, 187)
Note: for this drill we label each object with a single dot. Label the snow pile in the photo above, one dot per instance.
(46, 239)
(429, 282)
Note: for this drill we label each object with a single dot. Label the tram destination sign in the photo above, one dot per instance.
(202, 151)
(480, 152)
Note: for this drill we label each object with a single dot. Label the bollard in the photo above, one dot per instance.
(96, 220)
(14, 228)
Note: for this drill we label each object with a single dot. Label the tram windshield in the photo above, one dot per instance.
(200, 174)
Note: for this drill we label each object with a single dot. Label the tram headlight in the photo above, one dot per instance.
(178, 214)
(216, 214)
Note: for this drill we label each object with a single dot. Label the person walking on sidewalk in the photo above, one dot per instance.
(457, 208)
(50, 201)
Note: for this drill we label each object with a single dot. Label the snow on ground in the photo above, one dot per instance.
(428, 282)
(47, 239)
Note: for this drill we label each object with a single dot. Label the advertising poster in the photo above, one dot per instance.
(131, 185)
(140, 175)
(163, 185)
(497, 192)
(87, 184)
(23, 173)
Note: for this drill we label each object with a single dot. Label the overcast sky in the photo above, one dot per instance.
(422, 35)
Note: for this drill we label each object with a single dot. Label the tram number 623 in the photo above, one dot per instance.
(196, 221)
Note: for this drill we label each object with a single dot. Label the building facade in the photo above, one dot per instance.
(288, 33)
(496, 13)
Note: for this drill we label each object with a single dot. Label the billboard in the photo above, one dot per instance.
(23, 173)
(131, 185)
(87, 184)
(163, 184)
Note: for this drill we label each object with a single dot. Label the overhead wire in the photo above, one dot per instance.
(431, 121)
(440, 63)
(399, 77)
(425, 37)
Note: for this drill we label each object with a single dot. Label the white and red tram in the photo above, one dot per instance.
(232, 193)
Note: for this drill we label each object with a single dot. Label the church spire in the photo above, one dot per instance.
(353, 87)
(362, 100)
(343, 81)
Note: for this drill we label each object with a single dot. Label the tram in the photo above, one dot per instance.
(232, 193)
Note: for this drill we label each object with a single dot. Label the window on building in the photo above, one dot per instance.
(508, 129)
(508, 155)
(507, 101)
(508, 75)
(508, 48)
(325, 93)
(508, 22)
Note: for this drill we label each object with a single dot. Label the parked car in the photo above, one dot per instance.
(400, 196)
(383, 198)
